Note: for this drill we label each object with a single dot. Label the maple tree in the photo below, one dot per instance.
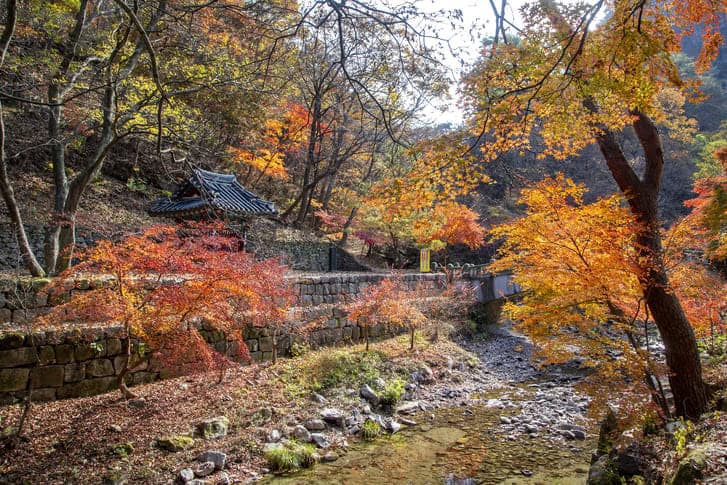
(572, 80)
(577, 267)
(387, 302)
(168, 280)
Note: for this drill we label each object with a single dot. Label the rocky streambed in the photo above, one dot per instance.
(490, 419)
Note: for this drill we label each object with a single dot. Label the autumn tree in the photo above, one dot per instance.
(114, 70)
(576, 265)
(572, 80)
(168, 280)
(387, 303)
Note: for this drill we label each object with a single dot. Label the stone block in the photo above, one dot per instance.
(85, 351)
(48, 376)
(137, 363)
(267, 356)
(113, 346)
(6, 315)
(3, 300)
(12, 340)
(337, 335)
(256, 356)
(46, 355)
(64, 353)
(252, 345)
(41, 299)
(44, 395)
(74, 372)
(88, 387)
(347, 333)
(13, 379)
(266, 344)
(17, 357)
(99, 368)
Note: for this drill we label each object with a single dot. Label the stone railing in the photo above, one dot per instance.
(85, 360)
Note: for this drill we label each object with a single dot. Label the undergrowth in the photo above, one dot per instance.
(325, 370)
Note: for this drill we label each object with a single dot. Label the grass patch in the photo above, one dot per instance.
(371, 430)
(392, 391)
(322, 370)
(291, 457)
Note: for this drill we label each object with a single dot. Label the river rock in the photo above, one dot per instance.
(369, 394)
(315, 425)
(379, 383)
(408, 407)
(334, 416)
(223, 479)
(217, 457)
(301, 433)
(391, 425)
(274, 436)
(319, 399)
(329, 457)
(204, 469)
(320, 440)
(185, 475)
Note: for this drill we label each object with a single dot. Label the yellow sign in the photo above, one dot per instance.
(424, 256)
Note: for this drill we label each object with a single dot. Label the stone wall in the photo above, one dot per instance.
(307, 255)
(298, 255)
(85, 360)
(10, 256)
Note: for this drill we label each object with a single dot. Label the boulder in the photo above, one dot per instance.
(320, 440)
(217, 457)
(369, 395)
(301, 433)
(334, 416)
(315, 425)
(185, 475)
(204, 469)
(690, 467)
(408, 407)
(213, 428)
(174, 443)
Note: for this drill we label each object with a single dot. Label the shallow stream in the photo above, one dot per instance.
(454, 445)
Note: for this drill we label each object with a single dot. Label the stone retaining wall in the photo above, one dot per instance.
(83, 361)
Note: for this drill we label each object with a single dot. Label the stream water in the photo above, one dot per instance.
(454, 445)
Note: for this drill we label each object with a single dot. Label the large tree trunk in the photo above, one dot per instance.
(682, 355)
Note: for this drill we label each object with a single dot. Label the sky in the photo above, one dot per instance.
(477, 15)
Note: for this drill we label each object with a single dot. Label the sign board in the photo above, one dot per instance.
(424, 259)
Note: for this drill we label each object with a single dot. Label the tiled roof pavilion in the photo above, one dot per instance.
(206, 191)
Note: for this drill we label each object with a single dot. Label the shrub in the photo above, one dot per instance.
(291, 456)
(392, 391)
(371, 430)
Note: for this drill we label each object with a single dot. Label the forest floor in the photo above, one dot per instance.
(106, 439)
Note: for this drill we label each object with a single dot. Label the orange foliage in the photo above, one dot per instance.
(282, 137)
(387, 302)
(450, 223)
(166, 282)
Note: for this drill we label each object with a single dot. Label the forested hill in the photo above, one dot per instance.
(107, 106)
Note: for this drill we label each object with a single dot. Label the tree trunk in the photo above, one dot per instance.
(682, 354)
(6, 188)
